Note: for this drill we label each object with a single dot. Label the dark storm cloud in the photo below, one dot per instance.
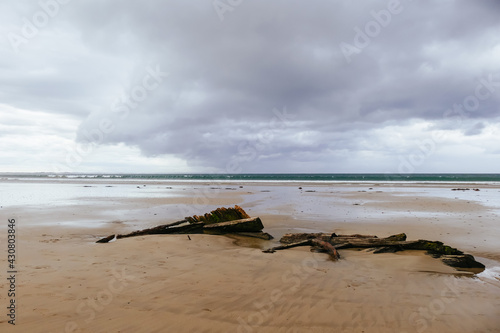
(225, 77)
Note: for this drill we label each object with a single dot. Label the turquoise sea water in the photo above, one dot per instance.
(332, 177)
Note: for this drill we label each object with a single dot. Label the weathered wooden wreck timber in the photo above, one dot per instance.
(220, 215)
(315, 243)
(159, 230)
(250, 227)
(306, 242)
(243, 225)
(450, 256)
(106, 239)
(175, 223)
(162, 229)
(294, 238)
(325, 247)
(461, 261)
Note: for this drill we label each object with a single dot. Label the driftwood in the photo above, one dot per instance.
(326, 247)
(219, 221)
(450, 256)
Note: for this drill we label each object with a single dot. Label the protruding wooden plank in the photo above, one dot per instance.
(253, 224)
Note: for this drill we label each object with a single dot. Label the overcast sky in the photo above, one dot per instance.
(249, 86)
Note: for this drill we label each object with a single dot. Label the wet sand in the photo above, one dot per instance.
(67, 283)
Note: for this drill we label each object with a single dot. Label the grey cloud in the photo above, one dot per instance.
(225, 78)
(475, 130)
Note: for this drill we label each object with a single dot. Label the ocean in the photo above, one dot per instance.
(276, 177)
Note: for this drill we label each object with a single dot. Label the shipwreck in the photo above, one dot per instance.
(235, 221)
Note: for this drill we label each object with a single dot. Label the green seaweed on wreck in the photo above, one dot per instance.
(220, 215)
(436, 247)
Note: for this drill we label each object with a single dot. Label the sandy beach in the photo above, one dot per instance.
(65, 282)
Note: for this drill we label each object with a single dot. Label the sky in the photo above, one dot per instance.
(240, 86)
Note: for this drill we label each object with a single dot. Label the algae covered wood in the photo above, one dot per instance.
(448, 255)
(219, 215)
